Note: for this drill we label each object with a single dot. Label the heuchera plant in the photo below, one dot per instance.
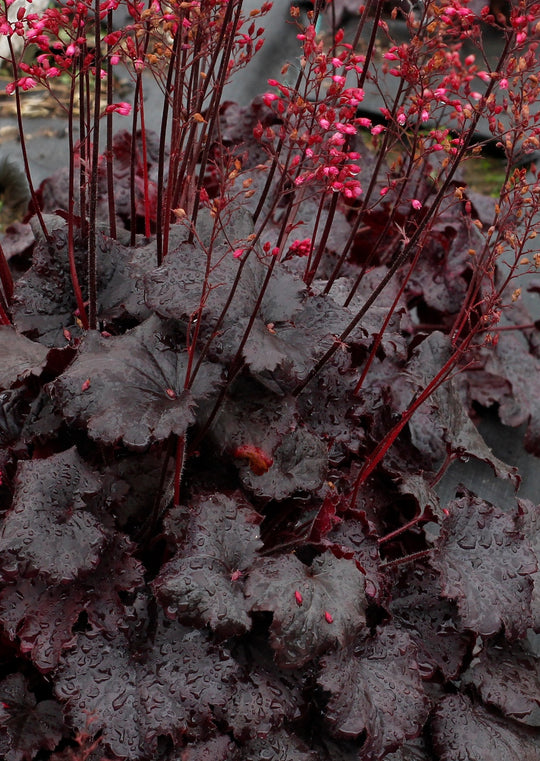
(237, 357)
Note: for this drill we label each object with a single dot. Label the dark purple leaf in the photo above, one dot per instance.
(314, 607)
(251, 415)
(169, 687)
(277, 746)
(204, 583)
(29, 726)
(44, 301)
(376, 689)
(41, 616)
(177, 288)
(514, 381)
(299, 464)
(443, 423)
(260, 703)
(331, 410)
(353, 537)
(461, 730)
(220, 748)
(431, 622)
(20, 357)
(486, 566)
(508, 679)
(529, 523)
(49, 527)
(131, 388)
(290, 329)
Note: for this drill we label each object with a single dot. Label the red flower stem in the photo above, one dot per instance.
(401, 530)
(236, 364)
(230, 27)
(92, 209)
(407, 559)
(382, 448)
(4, 319)
(372, 40)
(109, 154)
(83, 149)
(162, 144)
(147, 230)
(387, 319)
(179, 467)
(22, 140)
(312, 267)
(6, 278)
(133, 161)
(71, 215)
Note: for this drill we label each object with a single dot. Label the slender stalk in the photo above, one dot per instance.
(94, 179)
(6, 278)
(109, 151)
(22, 140)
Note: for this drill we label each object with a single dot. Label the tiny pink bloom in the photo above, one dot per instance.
(503, 83)
(416, 204)
(237, 253)
(328, 617)
(298, 597)
(377, 129)
(120, 108)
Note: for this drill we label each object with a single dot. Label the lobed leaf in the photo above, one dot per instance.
(204, 584)
(131, 388)
(314, 607)
(27, 725)
(375, 687)
(469, 732)
(508, 679)
(486, 566)
(170, 687)
(49, 528)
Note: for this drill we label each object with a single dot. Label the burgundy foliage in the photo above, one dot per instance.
(220, 535)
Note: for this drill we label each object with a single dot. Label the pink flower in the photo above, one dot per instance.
(237, 253)
(269, 98)
(416, 204)
(120, 108)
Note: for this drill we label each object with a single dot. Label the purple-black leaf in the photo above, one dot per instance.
(220, 748)
(131, 388)
(260, 703)
(20, 357)
(486, 566)
(353, 538)
(431, 622)
(169, 687)
(44, 302)
(444, 419)
(204, 583)
(277, 746)
(508, 679)
(314, 607)
(299, 464)
(49, 528)
(514, 380)
(28, 726)
(529, 523)
(41, 615)
(377, 689)
(461, 730)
